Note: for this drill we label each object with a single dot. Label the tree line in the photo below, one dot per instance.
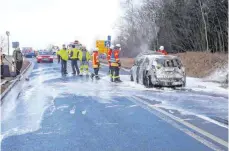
(179, 25)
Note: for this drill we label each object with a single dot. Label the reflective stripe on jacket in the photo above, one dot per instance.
(114, 58)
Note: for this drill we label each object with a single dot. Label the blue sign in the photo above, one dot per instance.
(109, 38)
(15, 44)
(107, 43)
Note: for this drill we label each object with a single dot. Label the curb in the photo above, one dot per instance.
(14, 82)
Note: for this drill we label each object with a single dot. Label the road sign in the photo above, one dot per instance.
(107, 43)
(15, 44)
(100, 44)
(109, 38)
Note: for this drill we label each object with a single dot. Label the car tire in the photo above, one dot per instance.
(147, 80)
(184, 82)
(137, 79)
(38, 61)
(51, 61)
(131, 77)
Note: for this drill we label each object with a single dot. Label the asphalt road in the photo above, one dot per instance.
(52, 112)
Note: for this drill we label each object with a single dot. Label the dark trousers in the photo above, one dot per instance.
(18, 67)
(109, 70)
(96, 71)
(2, 71)
(114, 74)
(63, 66)
(75, 66)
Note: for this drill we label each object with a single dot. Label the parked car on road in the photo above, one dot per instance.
(44, 57)
(158, 70)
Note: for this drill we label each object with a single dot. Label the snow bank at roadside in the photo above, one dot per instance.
(220, 75)
(206, 86)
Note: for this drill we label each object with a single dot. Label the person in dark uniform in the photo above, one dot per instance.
(18, 60)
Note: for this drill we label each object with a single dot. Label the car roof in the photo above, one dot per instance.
(158, 56)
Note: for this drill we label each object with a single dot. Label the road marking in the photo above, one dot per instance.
(204, 133)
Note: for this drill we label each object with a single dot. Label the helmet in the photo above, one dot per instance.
(118, 45)
(161, 48)
(112, 47)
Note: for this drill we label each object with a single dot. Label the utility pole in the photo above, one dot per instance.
(8, 35)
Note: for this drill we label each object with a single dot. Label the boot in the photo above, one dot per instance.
(118, 80)
(97, 77)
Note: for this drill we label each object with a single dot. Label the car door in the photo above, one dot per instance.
(138, 70)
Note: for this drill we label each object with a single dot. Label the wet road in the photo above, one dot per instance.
(56, 113)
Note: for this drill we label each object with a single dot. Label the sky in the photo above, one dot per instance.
(38, 23)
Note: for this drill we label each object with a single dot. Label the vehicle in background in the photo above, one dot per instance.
(44, 56)
(158, 70)
(28, 52)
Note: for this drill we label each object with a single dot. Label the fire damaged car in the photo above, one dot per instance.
(157, 70)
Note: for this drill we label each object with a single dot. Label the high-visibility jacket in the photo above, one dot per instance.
(88, 57)
(109, 56)
(162, 51)
(115, 58)
(63, 54)
(74, 54)
(95, 59)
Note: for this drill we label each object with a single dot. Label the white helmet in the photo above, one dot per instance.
(112, 47)
(161, 48)
(96, 49)
(118, 45)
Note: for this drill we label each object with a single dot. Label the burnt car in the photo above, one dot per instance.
(158, 70)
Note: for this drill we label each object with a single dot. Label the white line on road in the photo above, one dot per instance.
(149, 107)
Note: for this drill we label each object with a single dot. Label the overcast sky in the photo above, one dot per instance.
(37, 23)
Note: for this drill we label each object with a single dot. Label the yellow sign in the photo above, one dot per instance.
(100, 44)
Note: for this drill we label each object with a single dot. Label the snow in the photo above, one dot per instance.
(219, 75)
(202, 85)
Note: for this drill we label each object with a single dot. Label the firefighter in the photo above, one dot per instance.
(74, 53)
(115, 64)
(162, 50)
(95, 64)
(63, 56)
(109, 57)
(84, 57)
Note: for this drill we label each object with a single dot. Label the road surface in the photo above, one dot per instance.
(56, 113)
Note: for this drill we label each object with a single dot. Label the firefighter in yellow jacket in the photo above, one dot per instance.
(84, 57)
(63, 57)
(74, 56)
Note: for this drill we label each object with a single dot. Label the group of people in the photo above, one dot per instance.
(78, 53)
(75, 53)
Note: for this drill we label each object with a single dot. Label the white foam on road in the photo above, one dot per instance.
(38, 96)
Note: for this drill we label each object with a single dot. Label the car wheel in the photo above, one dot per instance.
(38, 61)
(184, 82)
(137, 79)
(51, 61)
(147, 81)
(131, 78)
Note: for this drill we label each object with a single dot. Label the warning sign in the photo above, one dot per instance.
(100, 44)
